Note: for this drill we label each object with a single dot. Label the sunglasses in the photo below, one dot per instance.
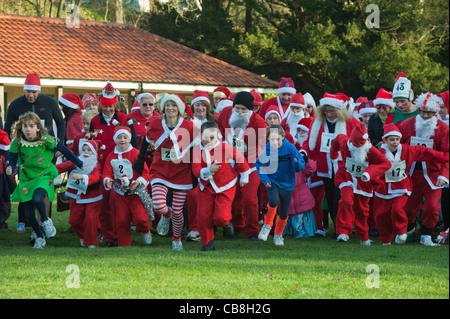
(147, 104)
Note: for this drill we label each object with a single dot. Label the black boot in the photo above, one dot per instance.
(209, 246)
(228, 232)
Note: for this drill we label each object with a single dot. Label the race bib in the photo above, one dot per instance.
(428, 142)
(327, 139)
(396, 173)
(122, 167)
(77, 184)
(168, 154)
(355, 168)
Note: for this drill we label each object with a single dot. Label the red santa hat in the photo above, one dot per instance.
(32, 82)
(286, 86)
(221, 92)
(391, 130)
(384, 97)
(200, 96)
(305, 123)
(366, 107)
(360, 100)
(108, 95)
(94, 145)
(273, 109)
(257, 98)
(223, 104)
(443, 100)
(402, 88)
(5, 142)
(122, 129)
(337, 100)
(71, 100)
(297, 99)
(427, 102)
(359, 135)
(135, 106)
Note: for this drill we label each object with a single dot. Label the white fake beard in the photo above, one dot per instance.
(89, 163)
(300, 138)
(240, 120)
(425, 128)
(359, 154)
(292, 121)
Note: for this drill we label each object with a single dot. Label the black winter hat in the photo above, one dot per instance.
(245, 98)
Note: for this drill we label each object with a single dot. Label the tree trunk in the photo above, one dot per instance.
(119, 11)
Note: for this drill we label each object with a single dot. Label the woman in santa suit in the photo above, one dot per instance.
(142, 114)
(171, 135)
(331, 119)
(105, 123)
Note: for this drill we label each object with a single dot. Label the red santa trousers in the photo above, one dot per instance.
(353, 209)
(129, 209)
(192, 202)
(83, 219)
(214, 209)
(107, 218)
(318, 194)
(245, 208)
(430, 207)
(390, 217)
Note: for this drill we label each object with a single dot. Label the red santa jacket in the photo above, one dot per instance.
(351, 170)
(171, 164)
(397, 181)
(231, 161)
(284, 108)
(74, 126)
(118, 166)
(431, 170)
(250, 141)
(92, 180)
(140, 124)
(313, 144)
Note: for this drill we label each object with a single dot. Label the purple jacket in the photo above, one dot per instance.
(302, 198)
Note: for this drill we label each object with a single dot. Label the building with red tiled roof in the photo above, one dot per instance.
(79, 58)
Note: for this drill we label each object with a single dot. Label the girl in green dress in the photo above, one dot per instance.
(33, 150)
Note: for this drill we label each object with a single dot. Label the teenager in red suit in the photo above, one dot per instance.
(395, 188)
(216, 165)
(118, 174)
(171, 136)
(296, 114)
(245, 131)
(85, 192)
(428, 178)
(331, 119)
(361, 164)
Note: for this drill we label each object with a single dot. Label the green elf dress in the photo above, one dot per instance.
(36, 169)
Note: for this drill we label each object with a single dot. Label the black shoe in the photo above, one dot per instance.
(68, 230)
(209, 246)
(253, 237)
(108, 244)
(228, 232)
(374, 232)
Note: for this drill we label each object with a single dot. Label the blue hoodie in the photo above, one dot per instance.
(278, 165)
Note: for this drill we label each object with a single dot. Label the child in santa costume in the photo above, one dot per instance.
(285, 90)
(297, 112)
(331, 119)
(245, 131)
(33, 150)
(73, 109)
(172, 136)
(84, 190)
(361, 164)
(119, 175)
(216, 165)
(392, 193)
(276, 165)
(85, 134)
(428, 178)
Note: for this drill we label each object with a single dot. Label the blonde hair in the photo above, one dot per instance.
(88, 115)
(27, 118)
(341, 114)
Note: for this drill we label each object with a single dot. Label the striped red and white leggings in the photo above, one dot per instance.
(159, 196)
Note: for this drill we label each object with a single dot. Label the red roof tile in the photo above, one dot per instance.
(109, 51)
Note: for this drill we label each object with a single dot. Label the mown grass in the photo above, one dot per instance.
(315, 268)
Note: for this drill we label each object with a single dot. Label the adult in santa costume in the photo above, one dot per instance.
(257, 100)
(142, 114)
(297, 112)
(72, 107)
(220, 93)
(217, 166)
(90, 102)
(428, 178)
(172, 136)
(383, 103)
(361, 164)
(392, 193)
(403, 96)
(331, 120)
(245, 131)
(444, 107)
(7, 185)
(105, 124)
(85, 192)
(285, 91)
(310, 104)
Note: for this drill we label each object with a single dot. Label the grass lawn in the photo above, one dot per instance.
(317, 268)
